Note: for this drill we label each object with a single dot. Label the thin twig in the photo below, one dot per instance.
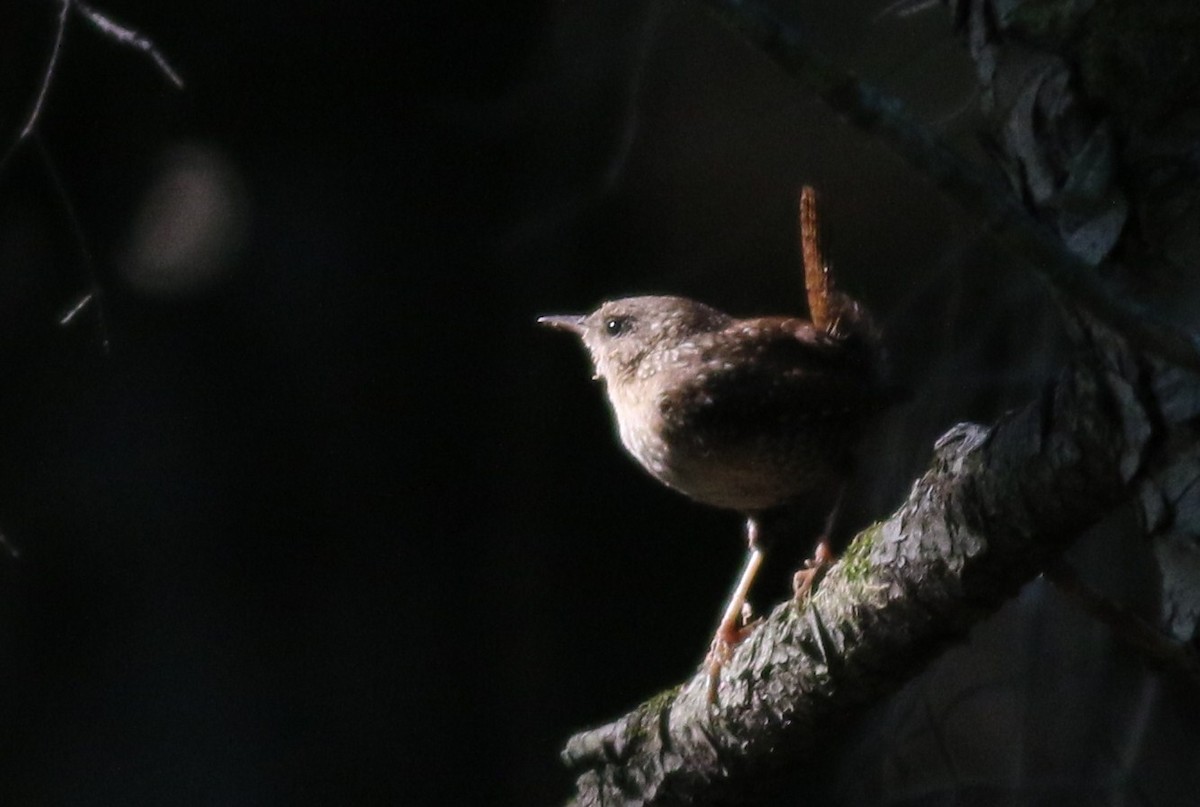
(74, 310)
(44, 88)
(121, 34)
(55, 53)
(129, 37)
(95, 296)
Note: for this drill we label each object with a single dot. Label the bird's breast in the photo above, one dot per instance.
(754, 470)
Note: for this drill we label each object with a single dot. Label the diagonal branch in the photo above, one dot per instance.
(129, 37)
(994, 507)
(1119, 428)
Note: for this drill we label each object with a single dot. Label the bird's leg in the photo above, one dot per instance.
(734, 626)
(804, 580)
(823, 556)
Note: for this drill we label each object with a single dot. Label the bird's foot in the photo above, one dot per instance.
(728, 637)
(814, 568)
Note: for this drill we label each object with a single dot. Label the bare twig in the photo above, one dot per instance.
(129, 37)
(79, 305)
(55, 53)
(121, 34)
(95, 294)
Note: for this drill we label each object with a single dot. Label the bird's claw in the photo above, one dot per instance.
(726, 640)
(814, 568)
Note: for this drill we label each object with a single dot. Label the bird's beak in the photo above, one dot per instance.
(572, 323)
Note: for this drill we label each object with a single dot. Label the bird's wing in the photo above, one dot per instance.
(773, 373)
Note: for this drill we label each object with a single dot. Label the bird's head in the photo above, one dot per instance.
(633, 337)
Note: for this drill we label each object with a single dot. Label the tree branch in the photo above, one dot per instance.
(994, 506)
(1118, 428)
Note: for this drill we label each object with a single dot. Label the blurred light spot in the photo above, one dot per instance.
(190, 225)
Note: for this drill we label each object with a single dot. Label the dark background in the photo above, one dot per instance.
(335, 523)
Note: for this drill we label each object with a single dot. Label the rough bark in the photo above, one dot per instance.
(1095, 110)
(994, 506)
(1111, 177)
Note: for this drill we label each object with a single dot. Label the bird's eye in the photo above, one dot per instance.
(616, 326)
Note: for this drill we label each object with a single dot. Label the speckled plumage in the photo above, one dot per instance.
(745, 414)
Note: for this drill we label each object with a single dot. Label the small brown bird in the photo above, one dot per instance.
(745, 414)
(759, 415)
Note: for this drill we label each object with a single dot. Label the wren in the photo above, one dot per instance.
(760, 415)
(743, 414)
